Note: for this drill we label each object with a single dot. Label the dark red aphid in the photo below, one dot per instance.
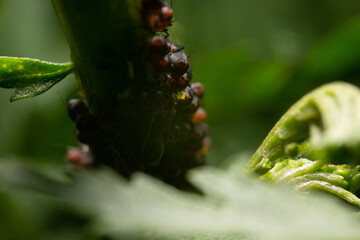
(155, 24)
(166, 14)
(179, 64)
(157, 15)
(76, 107)
(198, 89)
(163, 65)
(150, 7)
(158, 48)
(179, 83)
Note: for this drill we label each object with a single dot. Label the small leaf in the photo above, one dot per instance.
(30, 77)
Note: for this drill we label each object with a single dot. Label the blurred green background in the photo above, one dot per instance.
(255, 59)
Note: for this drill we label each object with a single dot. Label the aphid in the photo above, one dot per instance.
(160, 19)
(157, 16)
(184, 97)
(179, 83)
(179, 63)
(194, 105)
(163, 65)
(166, 14)
(152, 22)
(172, 47)
(158, 47)
(76, 107)
(79, 158)
(149, 7)
(199, 116)
(198, 89)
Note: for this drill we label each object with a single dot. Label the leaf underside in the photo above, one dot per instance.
(232, 206)
(30, 77)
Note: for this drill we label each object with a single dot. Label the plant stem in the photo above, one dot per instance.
(137, 123)
(104, 36)
(108, 47)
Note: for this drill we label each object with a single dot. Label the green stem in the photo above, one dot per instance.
(104, 36)
(108, 47)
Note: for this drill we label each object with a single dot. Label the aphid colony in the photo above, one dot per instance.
(156, 14)
(160, 127)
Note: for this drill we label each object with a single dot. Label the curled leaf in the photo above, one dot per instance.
(316, 144)
(30, 77)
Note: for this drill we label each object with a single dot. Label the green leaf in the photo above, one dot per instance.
(30, 77)
(316, 143)
(231, 206)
